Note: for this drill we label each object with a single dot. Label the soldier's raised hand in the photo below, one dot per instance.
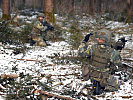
(87, 37)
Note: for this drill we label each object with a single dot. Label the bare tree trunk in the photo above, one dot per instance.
(13, 5)
(33, 4)
(128, 16)
(49, 11)
(71, 6)
(6, 9)
(99, 2)
(91, 11)
(23, 2)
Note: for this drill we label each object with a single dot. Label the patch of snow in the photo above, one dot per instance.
(113, 25)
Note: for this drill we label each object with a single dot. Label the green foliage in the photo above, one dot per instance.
(6, 34)
(19, 89)
(6, 17)
(24, 35)
(55, 35)
(10, 36)
(75, 37)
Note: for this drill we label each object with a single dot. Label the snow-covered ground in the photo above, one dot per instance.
(44, 65)
(65, 76)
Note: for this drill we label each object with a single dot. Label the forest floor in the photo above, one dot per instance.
(54, 72)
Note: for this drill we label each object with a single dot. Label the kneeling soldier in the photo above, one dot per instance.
(102, 62)
(39, 31)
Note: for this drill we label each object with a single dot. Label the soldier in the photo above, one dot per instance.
(102, 62)
(39, 31)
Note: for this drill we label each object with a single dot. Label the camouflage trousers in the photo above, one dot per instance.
(39, 41)
(112, 83)
(106, 80)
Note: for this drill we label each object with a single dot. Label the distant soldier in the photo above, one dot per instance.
(101, 63)
(39, 31)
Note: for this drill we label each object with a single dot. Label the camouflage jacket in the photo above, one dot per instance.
(41, 27)
(88, 51)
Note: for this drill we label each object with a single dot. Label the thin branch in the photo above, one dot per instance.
(54, 95)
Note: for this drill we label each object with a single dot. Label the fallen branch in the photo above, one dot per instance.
(129, 60)
(37, 61)
(4, 76)
(122, 28)
(76, 74)
(126, 96)
(31, 60)
(54, 95)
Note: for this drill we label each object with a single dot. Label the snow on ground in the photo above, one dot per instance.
(43, 64)
(113, 25)
(8, 60)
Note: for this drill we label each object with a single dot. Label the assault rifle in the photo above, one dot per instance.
(120, 44)
(49, 27)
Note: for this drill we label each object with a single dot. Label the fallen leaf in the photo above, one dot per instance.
(126, 96)
(113, 92)
(122, 83)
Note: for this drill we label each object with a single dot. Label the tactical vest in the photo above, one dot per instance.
(100, 61)
(101, 57)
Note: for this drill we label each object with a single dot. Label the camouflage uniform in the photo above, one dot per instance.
(102, 61)
(39, 32)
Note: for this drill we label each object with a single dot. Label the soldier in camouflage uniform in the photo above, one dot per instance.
(102, 62)
(39, 31)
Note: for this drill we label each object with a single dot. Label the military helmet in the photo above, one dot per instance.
(41, 15)
(104, 35)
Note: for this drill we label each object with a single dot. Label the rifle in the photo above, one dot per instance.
(49, 27)
(120, 44)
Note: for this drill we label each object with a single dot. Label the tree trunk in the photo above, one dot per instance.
(128, 16)
(49, 11)
(23, 3)
(13, 6)
(33, 4)
(91, 11)
(99, 2)
(6, 10)
(71, 7)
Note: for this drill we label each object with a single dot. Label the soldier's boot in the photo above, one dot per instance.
(47, 44)
(32, 42)
(97, 89)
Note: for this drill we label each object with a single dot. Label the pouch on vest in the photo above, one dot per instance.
(85, 72)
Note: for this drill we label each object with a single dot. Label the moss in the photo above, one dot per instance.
(50, 16)
(6, 17)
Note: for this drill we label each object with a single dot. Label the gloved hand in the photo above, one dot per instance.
(87, 37)
(120, 44)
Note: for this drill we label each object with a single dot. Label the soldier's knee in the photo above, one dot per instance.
(41, 44)
(113, 84)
